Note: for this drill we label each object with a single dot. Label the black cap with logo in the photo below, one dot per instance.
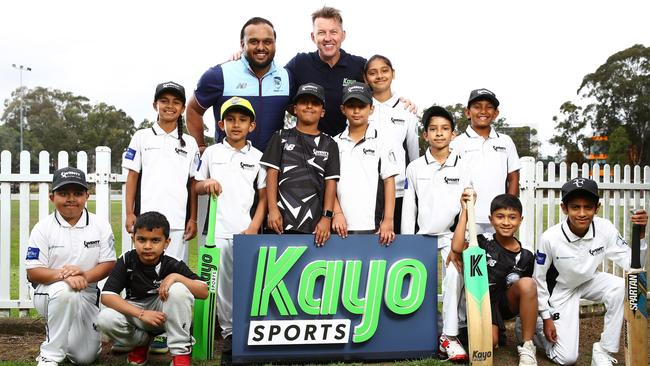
(311, 89)
(482, 94)
(170, 87)
(358, 91)
(68, 175)
(579, 184)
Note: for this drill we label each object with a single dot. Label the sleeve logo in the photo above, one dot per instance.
(32, 253)
(130, 154)
(540, 258)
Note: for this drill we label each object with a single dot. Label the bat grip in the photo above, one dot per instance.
(471, 222)
(212, 221)
(635, 258)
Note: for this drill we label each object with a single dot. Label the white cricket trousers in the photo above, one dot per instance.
(224, 288)
(604, 288)
(178, 248)
(131, 331)
(453, 303)
(71, 317)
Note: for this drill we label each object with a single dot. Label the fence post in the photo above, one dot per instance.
(527, 197)
(5, 231)
(43, 187)
(102, 185)
(23, 233)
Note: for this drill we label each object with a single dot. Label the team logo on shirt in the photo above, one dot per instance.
(246, 166)
(540, 258)
(397, 121)
(347, 81)
(130, 154)
(180, 151)
(277, 83)
(597, 251)
(241, 86)
(322, 154)
(499, 148)
(32, 253)
(369, 152)
(289, 147)
(450, 180)
(91, 244)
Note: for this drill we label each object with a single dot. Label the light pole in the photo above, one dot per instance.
(20, 69)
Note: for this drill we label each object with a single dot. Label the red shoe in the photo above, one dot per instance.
(138, 356)
(181, 360)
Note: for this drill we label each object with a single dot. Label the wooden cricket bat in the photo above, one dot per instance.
(636, 306)
(205, 311)
(477, 294)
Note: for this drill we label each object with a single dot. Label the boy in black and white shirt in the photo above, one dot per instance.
(160, 292)
(302, 170)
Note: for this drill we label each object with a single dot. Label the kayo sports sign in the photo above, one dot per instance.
(350, 299)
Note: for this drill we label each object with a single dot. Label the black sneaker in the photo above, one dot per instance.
(227, 345)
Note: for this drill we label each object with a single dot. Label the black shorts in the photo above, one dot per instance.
(501, 311)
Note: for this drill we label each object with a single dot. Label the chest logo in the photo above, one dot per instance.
(180, 151)
(597, 251)
(246, 166)
(91, 244)
(369, 152)
(241, 86)
(450, 180)
(322, 154)
(277, 83)
(397, 121)
(289, 147)
(499, 148)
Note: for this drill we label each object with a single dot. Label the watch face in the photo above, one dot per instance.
(328, 213)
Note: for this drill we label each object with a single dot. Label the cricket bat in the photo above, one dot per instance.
(477, 295)
(636, 306)
(205, 311)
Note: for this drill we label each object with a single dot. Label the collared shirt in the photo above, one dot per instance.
(364, 166)
(308, 67)
(304, 162)
(399, 126)
(140, 280)
(565, 261)
(54, 243)
(432, 195)
(239, 173)
(269, 95)
(164, 167)
(490, 161)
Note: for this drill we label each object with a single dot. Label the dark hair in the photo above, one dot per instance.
(377, 57)
(580, 194)
(152, 220)
(327, 12)
(506, 200)
(255, 21)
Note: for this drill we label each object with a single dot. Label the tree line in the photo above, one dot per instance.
(613, 105)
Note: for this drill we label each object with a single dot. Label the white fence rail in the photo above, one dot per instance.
(539, 192)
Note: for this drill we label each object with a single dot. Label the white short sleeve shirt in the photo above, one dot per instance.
(54, 243)
(489, 162)
(363, 163)
(239, 173)
(164, 166)
(432, 195)
(399, 127)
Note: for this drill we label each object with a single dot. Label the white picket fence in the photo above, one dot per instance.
(539, 192)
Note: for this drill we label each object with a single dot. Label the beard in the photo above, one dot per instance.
(260, 65)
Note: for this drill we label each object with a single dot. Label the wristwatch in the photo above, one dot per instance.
(327, 213)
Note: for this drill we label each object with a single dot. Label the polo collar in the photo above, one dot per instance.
(371, 133)
(344, 60)
(471, 133)
(451, 160)
(244, 150)
(572, 238)
(247, 65)
(84, 220)
(392, 102)
(158, 131)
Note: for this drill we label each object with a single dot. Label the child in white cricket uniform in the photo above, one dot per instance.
(68, 252)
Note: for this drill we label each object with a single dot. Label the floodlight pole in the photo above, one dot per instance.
(20, 69)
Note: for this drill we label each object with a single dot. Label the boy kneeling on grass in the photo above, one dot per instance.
(160, 292)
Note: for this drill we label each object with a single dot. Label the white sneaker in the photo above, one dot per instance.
(451, 348)
(42, 361)
(539, 340)
(600, 357)
(527, 354)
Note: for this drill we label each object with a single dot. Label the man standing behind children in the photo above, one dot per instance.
(490, 155)
(231, 170)
(160, 292)
(366, 191)
(68, 252)
(434, 184)
(302, 170)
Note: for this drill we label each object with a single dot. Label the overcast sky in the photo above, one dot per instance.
(532, 55)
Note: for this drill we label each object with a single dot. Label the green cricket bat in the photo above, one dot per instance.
(205, 311)
(477, 296)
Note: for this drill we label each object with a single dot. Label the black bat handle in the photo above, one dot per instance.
(636, 246)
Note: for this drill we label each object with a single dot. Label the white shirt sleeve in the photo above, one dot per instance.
(409, 207)
(513, 158)
(37, 255)
(203, 170)
(412, 140)
(132, 158)
(389, 167)
(261, 177)
(543, 261)
(107, 244)
(618, 250)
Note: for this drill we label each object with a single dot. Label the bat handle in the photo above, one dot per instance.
(471, 220)
(635, 258)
